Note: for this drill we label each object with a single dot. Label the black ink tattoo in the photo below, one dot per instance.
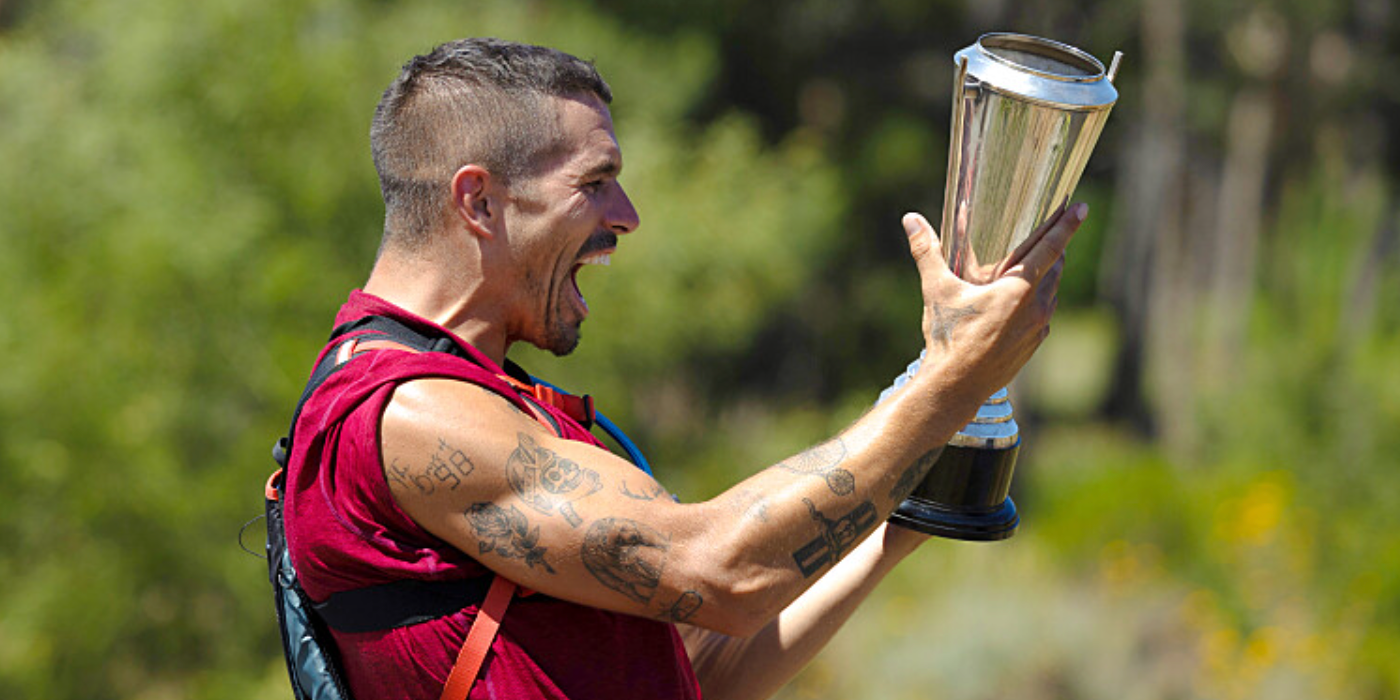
(824, 460)
(626, 556)
(758, 510)
(397, 473)
(446, 467)
(913, 474)
(549, 482)
(836, 536)
(507, 533)
(684, 607)
(650, 492)
(942, 321)
(750, 504)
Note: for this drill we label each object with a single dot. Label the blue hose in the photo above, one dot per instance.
(609, 427)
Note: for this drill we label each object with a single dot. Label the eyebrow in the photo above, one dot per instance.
(609, 167)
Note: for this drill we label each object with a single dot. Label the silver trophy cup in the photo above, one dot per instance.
(1026, 115)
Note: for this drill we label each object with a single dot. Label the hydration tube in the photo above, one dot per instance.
(627, 445)
(609, 427)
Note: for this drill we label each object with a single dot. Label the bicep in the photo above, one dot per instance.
(565, 518)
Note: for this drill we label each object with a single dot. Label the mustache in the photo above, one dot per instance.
(603, 240)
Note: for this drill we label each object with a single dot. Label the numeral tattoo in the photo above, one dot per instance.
(507, 533)
(626, 556)
(824, 460)
(684, 607)
(446, 467)
(909, 480)
(836, 536)
(944, 320)
(548, 482)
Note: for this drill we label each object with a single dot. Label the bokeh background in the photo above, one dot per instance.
(1208, 484)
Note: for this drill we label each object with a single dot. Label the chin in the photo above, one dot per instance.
(562, 341)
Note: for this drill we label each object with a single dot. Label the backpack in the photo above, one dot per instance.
(312, 664)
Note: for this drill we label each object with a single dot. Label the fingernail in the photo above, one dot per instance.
(912, 223)
(1081, 211)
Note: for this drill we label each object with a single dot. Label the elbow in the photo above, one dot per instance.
(745, 583)
(732, 620)
(743, 600)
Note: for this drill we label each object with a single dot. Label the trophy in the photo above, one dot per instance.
(1026, 115)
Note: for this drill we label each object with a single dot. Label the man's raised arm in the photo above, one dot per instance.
(577, 523)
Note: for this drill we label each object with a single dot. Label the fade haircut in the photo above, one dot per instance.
(471, 101)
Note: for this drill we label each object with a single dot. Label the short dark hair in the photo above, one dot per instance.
(482, 101)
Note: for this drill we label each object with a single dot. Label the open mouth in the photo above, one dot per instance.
(602, 257)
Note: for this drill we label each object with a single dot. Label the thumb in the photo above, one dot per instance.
(924, 244)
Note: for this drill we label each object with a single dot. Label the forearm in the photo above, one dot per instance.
(801, 517)
(744, 668)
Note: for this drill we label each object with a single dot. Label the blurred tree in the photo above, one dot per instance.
(185, 198)
(186, 195)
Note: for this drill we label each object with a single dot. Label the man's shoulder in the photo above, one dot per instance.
(425, 407)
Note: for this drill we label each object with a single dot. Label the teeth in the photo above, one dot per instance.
(596, 259)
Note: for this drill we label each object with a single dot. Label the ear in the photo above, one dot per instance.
(475, 201)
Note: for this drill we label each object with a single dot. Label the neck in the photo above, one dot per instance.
(454, 300)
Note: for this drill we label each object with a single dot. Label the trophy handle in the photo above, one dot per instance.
(950, 195)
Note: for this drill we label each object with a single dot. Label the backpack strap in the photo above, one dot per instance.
(479, 638)
(409, 601)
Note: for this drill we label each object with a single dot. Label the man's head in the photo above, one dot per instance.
(481, 101)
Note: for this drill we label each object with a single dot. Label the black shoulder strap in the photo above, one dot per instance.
(406, 601)
(375, 325)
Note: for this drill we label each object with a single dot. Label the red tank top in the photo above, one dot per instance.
(345, 531)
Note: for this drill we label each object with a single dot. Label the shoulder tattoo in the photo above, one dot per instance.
(547, 481)
(507, 533)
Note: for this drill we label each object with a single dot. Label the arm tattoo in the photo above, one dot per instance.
(506, 533)
(684, 607)
(836, 536)
(626, 556)
(448, 466)
(914, 474)
(649, 492)
(942, 321)
(547, 481)
(824, 460)
(750, 504)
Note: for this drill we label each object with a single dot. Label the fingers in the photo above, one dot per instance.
(1020, 252)
(1047, 292)
(924, 245)
(1050, 248)
(922, 239)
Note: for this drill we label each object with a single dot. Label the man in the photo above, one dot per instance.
(499, 169)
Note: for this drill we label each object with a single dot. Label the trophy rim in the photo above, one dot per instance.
(1093, 92)
(1100, 72)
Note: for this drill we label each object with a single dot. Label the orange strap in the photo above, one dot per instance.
(479, 638)
(493, 609)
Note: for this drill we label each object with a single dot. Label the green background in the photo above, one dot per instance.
(1207, 486)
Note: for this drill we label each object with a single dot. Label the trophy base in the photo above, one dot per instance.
(940, 521)
(965, 495)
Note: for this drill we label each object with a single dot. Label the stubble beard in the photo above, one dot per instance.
(563, 338)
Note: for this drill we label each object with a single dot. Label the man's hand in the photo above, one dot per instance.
(981, 335)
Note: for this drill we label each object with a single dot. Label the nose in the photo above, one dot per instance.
(622, 216)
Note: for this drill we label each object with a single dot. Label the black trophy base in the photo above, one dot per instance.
(940, 521)
(964, 496)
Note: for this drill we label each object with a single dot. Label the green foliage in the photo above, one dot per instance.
(186, 196)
